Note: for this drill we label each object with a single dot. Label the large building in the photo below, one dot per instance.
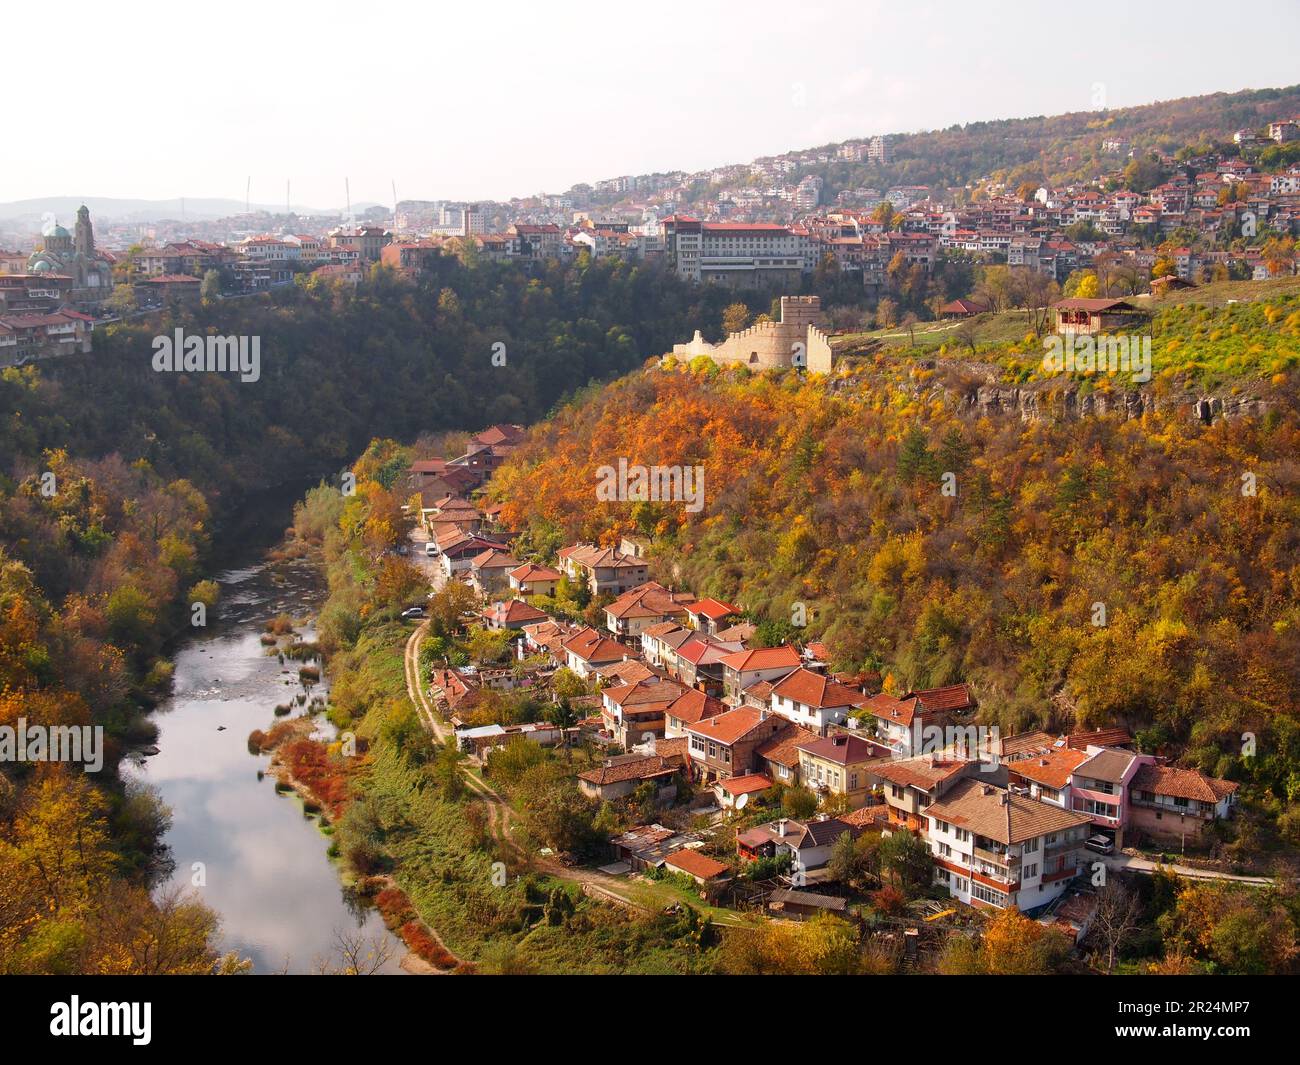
(746, 254)
(75, 256)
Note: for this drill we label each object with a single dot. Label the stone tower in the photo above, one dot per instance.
(85, 240)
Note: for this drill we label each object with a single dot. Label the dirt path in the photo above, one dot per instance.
(500, 814)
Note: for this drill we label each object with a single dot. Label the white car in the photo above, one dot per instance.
(1099, 843)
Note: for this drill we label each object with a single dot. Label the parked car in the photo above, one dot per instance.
(414, 612)
(431, 548)
(1099, 843)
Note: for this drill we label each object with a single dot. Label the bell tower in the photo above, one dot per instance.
(85, 235)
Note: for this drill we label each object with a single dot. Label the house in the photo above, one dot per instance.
(995, 849)
(953, 700)
(705, 871)
(484, 738)
(587, 648)
(489, 571)
(457, 552)
(167, 289)
(628, 616)
(743, 668)
(710, 615)
(909, 785)
(619, 777)
(458, 690)
(1046, 776)
(1175, 805)
(698, 662)
(547, 638)
(690, 708)
(647, 846)
(603, 570)
(901, 724)
(532, 579)
(634, 713)
(808, 843)
(511, 614)
(659, 643)
(725, 745)
(1099, 788)
(628, 671)
(1092, 316)
(838, 765)
(735, 792)
(813, 699)
(779, 754)
(962, 308)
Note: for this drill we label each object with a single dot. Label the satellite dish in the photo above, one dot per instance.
(742, 801)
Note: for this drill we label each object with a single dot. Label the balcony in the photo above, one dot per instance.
(1011, 861)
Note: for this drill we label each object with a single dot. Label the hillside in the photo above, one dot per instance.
(1051, 150)
(829, 493)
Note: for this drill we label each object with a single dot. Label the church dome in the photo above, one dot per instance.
(59, 232)
(41, 266)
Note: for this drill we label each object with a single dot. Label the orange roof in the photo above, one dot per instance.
(762, 658)
(888, 708)
(729, 727)
(693, 706)
(1181, 783)
(922, 772)
(783, 747)
(1052, 769)
(692, 861)
(746, 785)
(713, 609)
(530, 571)
(815, 689)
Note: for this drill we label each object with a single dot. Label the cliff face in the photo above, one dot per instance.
(978, 391)
(1032, 403)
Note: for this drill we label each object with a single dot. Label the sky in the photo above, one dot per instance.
(496, 99)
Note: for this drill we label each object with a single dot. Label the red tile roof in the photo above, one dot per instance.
(729, 727)
(1181, 783)
(762, 658)
(699, 865)
(816, 690)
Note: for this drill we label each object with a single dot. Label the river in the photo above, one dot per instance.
(262, 864)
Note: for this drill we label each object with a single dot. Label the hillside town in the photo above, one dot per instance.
(1178, 220)
(740, 767)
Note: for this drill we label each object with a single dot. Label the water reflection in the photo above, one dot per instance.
(265, 865)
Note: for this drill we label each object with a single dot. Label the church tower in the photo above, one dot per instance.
(85, 244)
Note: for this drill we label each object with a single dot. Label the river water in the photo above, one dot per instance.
(249, 852)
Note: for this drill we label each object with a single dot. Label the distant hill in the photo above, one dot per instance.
(108, 209)
(1051, 150)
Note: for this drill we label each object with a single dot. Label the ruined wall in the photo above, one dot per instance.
(770, 345)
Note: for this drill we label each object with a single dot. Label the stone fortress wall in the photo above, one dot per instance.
(771, 345)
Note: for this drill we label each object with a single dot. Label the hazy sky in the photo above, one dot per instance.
(494, 99)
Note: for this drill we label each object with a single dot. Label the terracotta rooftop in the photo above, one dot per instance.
(998, 815)
(1182, 783)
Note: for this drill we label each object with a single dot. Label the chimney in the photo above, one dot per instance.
(986, 789)
(780, 827)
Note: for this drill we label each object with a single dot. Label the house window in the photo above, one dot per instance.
(1029, 872)
(1030, 847)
